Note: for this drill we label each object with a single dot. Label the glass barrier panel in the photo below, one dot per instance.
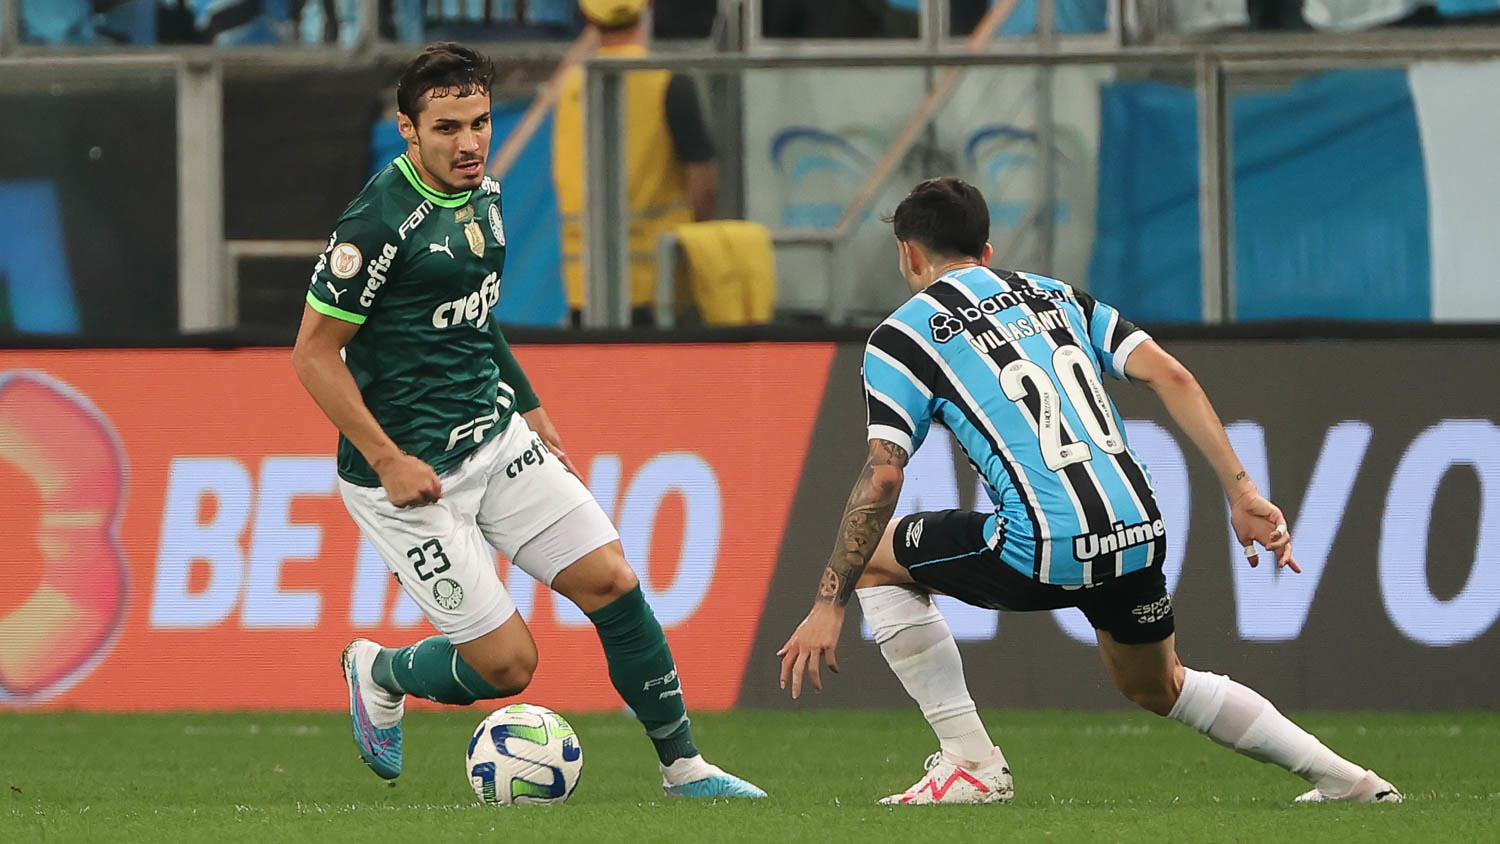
(88, 201)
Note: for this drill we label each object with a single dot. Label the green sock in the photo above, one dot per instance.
(641, 668)
(432, 669)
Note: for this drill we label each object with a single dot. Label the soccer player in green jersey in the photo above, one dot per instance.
(445, 450)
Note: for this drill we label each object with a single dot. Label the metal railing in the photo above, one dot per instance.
(1210, 65)
(208, 264)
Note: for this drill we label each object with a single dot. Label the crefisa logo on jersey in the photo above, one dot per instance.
(474, 307)
(379, 266)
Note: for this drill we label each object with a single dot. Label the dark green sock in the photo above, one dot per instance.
(432, 669)
(641, 668)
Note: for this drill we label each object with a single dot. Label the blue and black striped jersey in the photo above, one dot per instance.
(1011, 363)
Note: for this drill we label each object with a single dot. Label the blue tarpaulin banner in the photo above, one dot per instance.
(1330, 201)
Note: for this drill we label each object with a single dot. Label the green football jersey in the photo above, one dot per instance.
(419, 272)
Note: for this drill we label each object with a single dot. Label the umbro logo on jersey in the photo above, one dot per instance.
(433, 247)
(914, 533)
(335, 291)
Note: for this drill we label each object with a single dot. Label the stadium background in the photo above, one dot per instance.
(180, 510)
(1301, 208)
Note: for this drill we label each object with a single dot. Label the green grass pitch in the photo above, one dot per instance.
(1079, 776)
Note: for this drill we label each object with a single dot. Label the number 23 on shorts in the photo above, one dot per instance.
(427, 552)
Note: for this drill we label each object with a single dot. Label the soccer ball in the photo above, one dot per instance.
(524, 754)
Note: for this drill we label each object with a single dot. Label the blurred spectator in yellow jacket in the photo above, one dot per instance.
(671, 175)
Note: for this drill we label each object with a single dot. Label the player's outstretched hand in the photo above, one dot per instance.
(812, 643)
(409, 481)
(1257, 520)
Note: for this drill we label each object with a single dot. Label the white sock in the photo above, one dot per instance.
(1237, 717)
(916, 642)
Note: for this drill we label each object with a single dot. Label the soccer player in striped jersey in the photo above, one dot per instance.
(1012, 364)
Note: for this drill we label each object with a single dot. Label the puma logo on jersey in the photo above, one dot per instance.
(433, 247)
(474, 307)
(335, 291)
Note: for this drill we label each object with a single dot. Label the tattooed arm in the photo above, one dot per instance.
(870, 506)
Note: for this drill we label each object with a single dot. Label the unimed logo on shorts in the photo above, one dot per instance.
(234, 548)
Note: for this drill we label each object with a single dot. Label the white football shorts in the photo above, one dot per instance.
(510, 495)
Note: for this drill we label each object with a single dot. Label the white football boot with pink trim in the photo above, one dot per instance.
(947, 781)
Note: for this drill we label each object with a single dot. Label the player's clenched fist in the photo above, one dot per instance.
(408, 481)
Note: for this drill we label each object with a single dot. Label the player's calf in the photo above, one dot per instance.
(504, 659)
(1238, 718)
(1155, 693)
(498, 664)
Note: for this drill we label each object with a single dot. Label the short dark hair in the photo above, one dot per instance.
(947, 217)
(444, 66)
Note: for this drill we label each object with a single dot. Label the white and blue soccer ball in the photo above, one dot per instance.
(524, 755)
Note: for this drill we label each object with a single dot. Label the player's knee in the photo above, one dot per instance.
(512, 677)
(621, 580)
(597, 580)
(613, 579)
(883, 569)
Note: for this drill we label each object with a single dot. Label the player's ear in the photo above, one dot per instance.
(986, 255)
(407, 128)
(916, 259)
(911, 258)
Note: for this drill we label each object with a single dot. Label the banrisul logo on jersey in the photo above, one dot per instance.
(231, 537)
